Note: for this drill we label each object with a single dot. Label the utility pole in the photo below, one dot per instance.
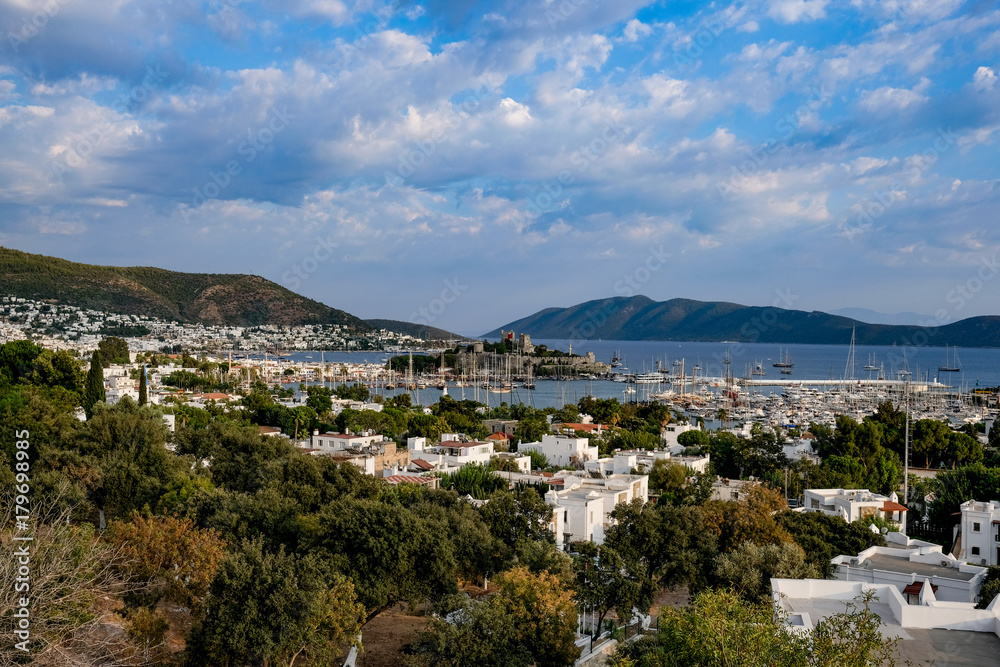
(906, 445)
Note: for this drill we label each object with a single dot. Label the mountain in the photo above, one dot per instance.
(875, 317)
(206, 298)
(641, 318)
(421, 331)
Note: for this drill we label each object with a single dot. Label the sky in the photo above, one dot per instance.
(465, 163)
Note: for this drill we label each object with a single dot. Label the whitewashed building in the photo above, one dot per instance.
(978, 539)
(562, 451)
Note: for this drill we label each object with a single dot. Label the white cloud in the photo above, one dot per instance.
(636, 30)
(793, 11)
(514, 113)
(888, 99)
(984, 79)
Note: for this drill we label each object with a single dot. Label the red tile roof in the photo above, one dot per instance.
(889, 506)
(420, 463)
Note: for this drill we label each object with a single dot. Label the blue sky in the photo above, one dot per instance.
(468, 163)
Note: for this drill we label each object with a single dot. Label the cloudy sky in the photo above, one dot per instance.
(466, 163)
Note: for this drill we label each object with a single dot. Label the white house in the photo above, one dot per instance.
(979, 533)
(562, 451)
(335, 442)
(909, 565)
(854, 504)
(585, 503)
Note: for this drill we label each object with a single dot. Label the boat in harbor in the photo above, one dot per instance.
(783, 363)
(951, 365)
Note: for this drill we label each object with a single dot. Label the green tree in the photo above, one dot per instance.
(268, 608)
(749, 569)
(720, 629)
(543, 613)
(143, 395)
(693, 438)
(479, 632)
(113, 350)
(319, 399)
(94, 390)
(377, 544)
(606, 581)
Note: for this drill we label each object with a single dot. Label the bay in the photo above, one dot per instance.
(980, 367)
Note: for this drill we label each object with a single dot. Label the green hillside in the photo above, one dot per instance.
(207, 298)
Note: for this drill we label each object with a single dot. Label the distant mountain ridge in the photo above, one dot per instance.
(421, 331)
(641, 318)
(206, 298)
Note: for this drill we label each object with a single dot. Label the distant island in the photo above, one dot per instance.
(641, 318)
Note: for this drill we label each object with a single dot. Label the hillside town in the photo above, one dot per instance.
(62, 326)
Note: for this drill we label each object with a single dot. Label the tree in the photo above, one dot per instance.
(722, 630)
(353, 392)
(517, 516)
(268, 608)
(319, 399)
(749, 569)
(377, 544)
(173, 558)
(94, 389)
(477, 633)
(672, 543)
(824, 537)
(113, 350)
(677, 485)
(475, 480)
(143, 395)
(693, 438)
(543, 614)
(606, 581)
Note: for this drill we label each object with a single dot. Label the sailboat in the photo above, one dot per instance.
(871, 365)
(787, 363)
(949, 365)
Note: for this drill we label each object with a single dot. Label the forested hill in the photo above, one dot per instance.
(207, 298)
(641, 318)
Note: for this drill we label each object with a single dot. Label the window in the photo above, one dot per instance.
(975, 551)
(975, 527)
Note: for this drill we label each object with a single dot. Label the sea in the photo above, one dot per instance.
(980, 367)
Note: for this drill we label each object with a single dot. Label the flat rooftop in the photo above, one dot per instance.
(939, 648)
(903, 566)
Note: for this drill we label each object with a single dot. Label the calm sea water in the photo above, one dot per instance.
(979, 366)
